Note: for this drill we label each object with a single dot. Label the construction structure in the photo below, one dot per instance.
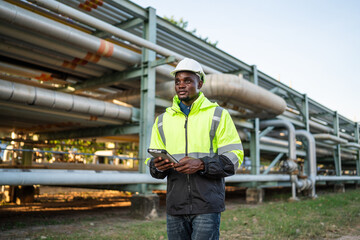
(76, 69)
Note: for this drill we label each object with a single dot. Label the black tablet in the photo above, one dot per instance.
(162, 153)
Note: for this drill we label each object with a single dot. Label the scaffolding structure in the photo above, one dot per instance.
(100, 69)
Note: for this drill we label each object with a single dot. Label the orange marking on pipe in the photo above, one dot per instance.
(85, 7)
(101, 49)
(110, 49)
(92, 57)
(44, 77)
(68, 64)
(91, 4)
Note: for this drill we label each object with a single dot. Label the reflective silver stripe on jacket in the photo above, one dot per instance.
(230, 147)
(214, 126)
(233, 158)
(160, 128)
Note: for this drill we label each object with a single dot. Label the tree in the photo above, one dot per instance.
(184, 24)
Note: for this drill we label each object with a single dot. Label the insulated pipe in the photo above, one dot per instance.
(41, 58)
(27, 72)
(338, 178)
(16, 92)
(60, 47)
(228, 88)
(91, 177)
(352, 145)
(335, 139)
(317, 126)
(39, 24)
(311, 154)
(98, 24)
(291, 133)
(319, 151)
(292, 148)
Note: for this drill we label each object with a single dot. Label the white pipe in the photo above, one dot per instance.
(291, 133)
(16, 92)
(58, 46)
(311, 154)
(100, 25)
(92, 177)
(332, 138)
(72, 177)
(338, 178)
(227, 88)
(14, 15)
(352, 145)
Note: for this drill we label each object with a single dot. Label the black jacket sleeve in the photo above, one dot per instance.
(155, 173)
(218, 166)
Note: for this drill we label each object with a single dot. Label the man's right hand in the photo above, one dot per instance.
(163, 164)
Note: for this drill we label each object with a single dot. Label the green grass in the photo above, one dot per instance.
(329, 216)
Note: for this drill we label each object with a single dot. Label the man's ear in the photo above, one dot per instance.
(200, 84)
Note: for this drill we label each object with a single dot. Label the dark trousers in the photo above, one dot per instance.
(194, 227)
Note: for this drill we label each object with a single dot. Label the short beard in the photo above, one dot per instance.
(188, 99)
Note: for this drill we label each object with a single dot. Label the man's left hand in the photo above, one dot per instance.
(188, 165)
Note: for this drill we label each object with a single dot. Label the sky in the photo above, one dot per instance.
(312, 46)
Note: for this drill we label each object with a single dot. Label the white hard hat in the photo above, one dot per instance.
(190, 65)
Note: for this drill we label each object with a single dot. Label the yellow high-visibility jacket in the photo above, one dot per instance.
(207, 133)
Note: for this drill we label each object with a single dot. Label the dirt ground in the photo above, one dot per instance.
(63, 210)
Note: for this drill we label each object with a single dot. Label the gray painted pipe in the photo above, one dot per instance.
(100, 25)
(332, 138)
(91, 177)
(317, 126)
(16, 92)
(54, 45)
(319, 151)
(352, 145)
(39, 24)
(291, 133)
(311, 154)
(27, 72)
(338, 178)
(228, 88)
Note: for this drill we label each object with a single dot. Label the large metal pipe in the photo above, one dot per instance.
(27, 72)
(16, 92)
(311, 155)
(329, 137)
(291, 133)
(228, 88)
(91, 177)
(315, 126)
(338, 178)
(58, 46)
(101, 25)
(319, 150)
(39, 24)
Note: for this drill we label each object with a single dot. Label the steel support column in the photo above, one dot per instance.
(147, 110)
(255, 138)
(357, 140)
(337, 150)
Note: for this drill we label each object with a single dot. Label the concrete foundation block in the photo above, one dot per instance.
(145, 206)
(339, 188)
(255, 195)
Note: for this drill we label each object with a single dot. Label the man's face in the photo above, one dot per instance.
(187, 86)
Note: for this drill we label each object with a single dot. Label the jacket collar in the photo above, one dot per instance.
(200, 103)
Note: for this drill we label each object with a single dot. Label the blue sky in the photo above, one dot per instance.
(311, 45)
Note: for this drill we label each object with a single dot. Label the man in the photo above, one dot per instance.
(202, 136)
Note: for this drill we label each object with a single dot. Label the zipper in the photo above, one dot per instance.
(186, 154)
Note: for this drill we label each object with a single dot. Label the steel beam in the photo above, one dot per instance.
(91, 132)
(337, 150)
(255, 138)
(131, 23)
(109, 79)
(148, 82)
(273, 163)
